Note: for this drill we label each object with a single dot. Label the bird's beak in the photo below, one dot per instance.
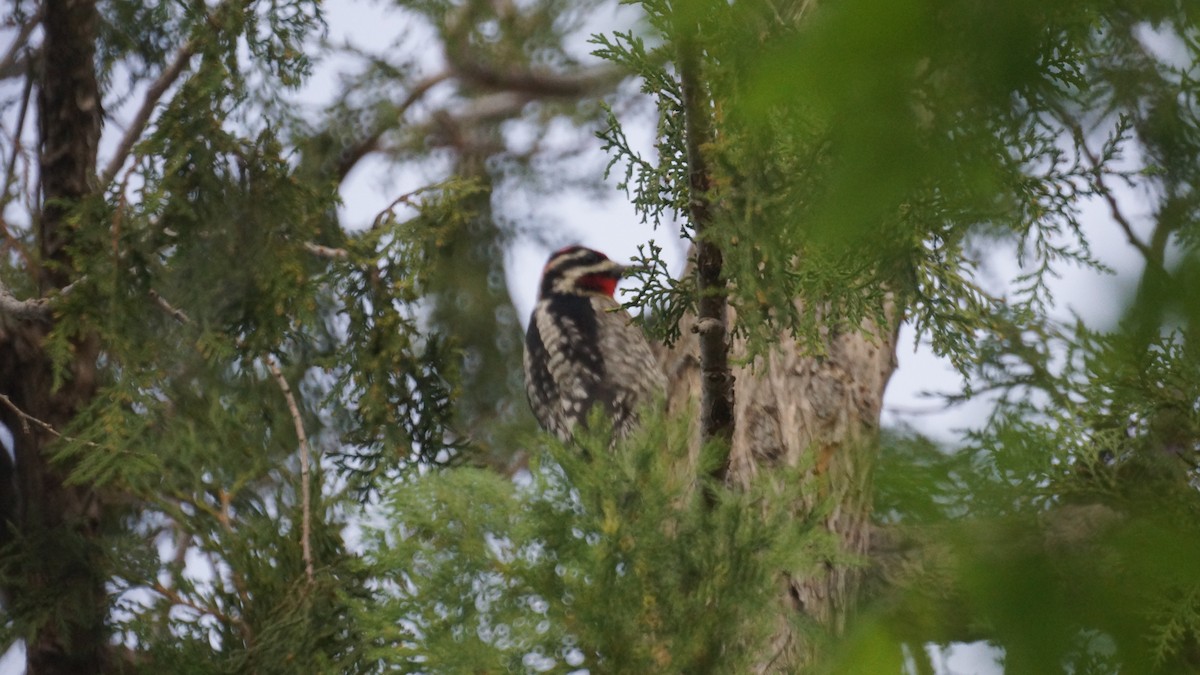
(612, 268)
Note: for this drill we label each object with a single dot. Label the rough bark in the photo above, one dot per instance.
(55, 554)
(796, 408)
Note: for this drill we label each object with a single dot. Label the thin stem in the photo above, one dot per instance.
(305, 490)
(10, 170)
(174, 597)
(177, 314)
(27, 419)
(157, 90)
(153, 95)
(1097, 169)
(10, 61)
(326, 251)
(298, 423)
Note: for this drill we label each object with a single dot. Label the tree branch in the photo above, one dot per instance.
(33, 309)
(922, 563)
(14, 309)
(12, 64)
(353, 155)
(177, 314)
(153, 95)
(305, 496)
(716, 380)
(541, 84)
(10, 169)
(1097, 170)
(27, 419)
(475, 67)
(156, 91)
(326, 251)
(175, 598)
(513, 89)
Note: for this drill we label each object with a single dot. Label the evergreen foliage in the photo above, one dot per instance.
(614, 564)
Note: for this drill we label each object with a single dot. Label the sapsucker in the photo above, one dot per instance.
(582, 349)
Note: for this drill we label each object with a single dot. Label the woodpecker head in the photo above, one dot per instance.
(580, 271)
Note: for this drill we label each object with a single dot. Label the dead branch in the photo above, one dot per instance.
(10, 170)
(177, 314)
(305, 496)
(15, 63)
(326, 251)
(27, 419)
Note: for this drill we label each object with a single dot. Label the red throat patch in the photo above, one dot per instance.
(600, 283)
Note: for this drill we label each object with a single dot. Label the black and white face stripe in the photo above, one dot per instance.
(567, 266)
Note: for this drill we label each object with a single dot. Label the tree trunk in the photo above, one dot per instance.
(56, 556)
(794, 408)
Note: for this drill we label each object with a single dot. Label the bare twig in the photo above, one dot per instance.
(9, 240)
(305, 496)
(406, 199)
(9, 171)
(27, 419)
(326, 251)
(1097, 170)
(175, 598)
(10, 65)
(177, 314)
(155, 93)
